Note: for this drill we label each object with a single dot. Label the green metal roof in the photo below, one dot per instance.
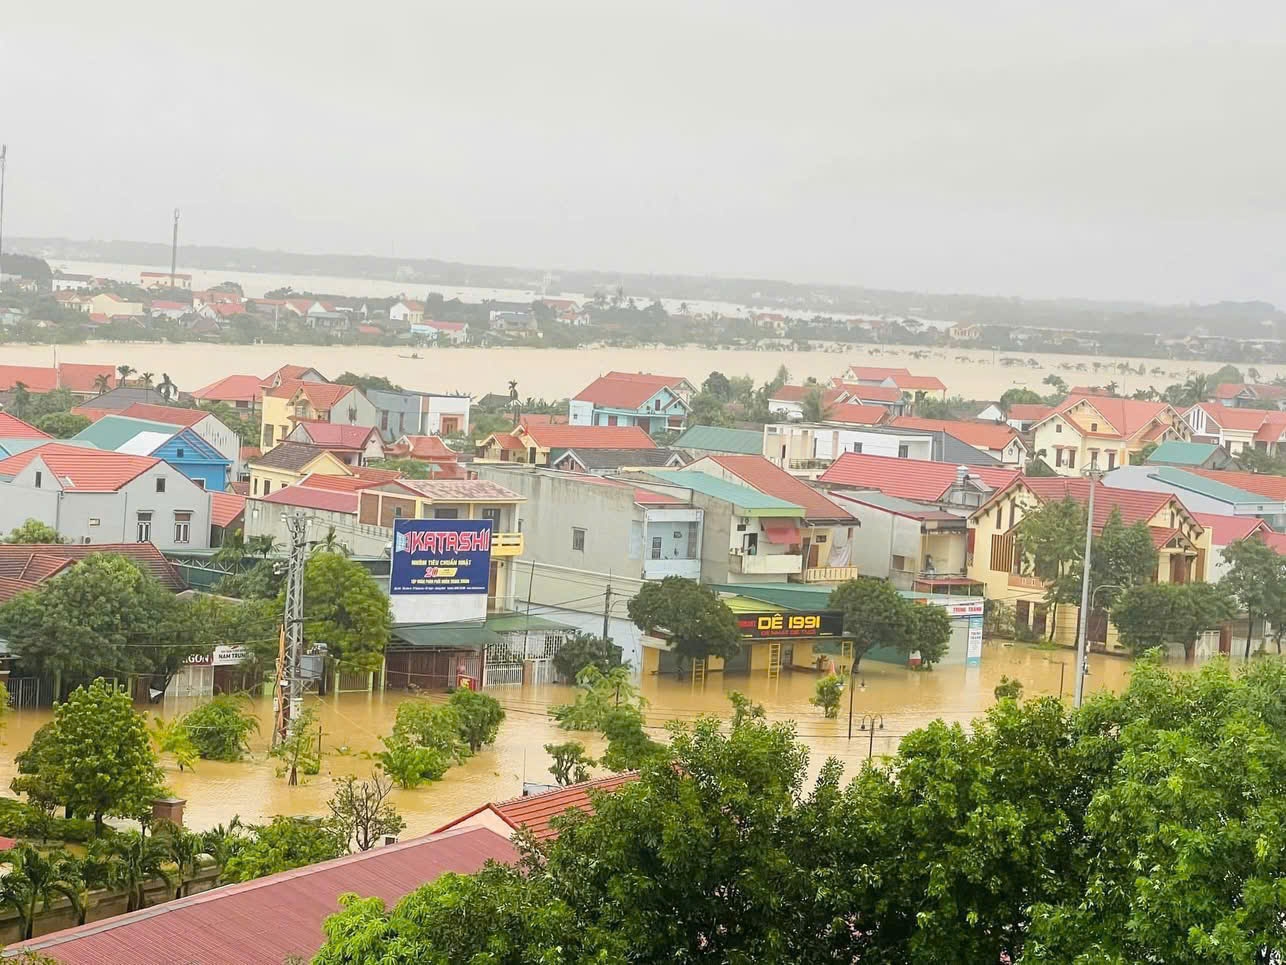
(794, 596)
(517, 622)
(1183, 453)
(1206, 487)
(749, 502)
(443, 635)
(113, 431)
(745, 442)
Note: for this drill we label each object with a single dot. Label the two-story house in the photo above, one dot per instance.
(955, 488)
(289, 463)
(1250, 395)
(998, 440)
(1237, 429)
(98, 496)
(419, 413)
(538, 444)
(294, 401)
(1103, 432)
(177, 445)
(652, 402)
(998, 562)
(355, 445)
(205, 424)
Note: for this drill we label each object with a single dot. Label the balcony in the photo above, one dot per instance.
(766, 564)
(1026, 582)
(830, 574)
(506, 544)
(660, 569)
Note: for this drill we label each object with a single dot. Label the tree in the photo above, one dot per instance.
(930, 634)
(815, 406)
(285, 843)
(62, 425)
(707, 409)
(570, 762)
(717, 387)
(689, 615)
(1056, 383)
(927, 407)
(138, 859)
(875, 615)
(610, 703)
(1013, 397)
(172, 737)
(34, 531)
(361, 812)
(367, 382)
(1011, 689)
(1227, 375)
(345, 609)
(300, 750)
(21, 403)
(185, 849)
(827, 694)
(1256, 579)
(581, 650)
(331, 543)
(220, 728)
(102, 384)
(1037, 466)
(479, 716)
(35, 879)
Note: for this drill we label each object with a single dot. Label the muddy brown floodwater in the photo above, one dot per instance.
(352, 725)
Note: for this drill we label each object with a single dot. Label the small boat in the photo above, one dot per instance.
(413, 355)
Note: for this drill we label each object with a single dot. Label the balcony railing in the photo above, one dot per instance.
(830, 574)
(767, 563)
(660, 569)
(506, 544)
(809, 464)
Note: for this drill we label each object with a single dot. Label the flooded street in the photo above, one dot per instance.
(352, 725)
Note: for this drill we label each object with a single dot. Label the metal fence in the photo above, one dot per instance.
(27, 692)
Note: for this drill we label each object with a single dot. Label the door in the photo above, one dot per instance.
(1178, 568)
(492, 589)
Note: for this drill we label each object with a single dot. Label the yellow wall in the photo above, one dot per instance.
(326, 464)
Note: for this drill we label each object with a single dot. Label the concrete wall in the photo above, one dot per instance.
(265, 519)
(437, 406)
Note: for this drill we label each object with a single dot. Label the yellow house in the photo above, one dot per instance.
(292, 401)
(534, 444)
(288, 463)
(106, 303)
(1103, 432)
(1183, 547)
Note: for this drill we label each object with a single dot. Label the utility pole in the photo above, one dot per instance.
(174, 248)
(291, 673)
(607, 604)
(4, 151)
(1082, 646)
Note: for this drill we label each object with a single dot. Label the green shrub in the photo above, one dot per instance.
(829, 690)
(410, 765)
(219, 729)
(583, 650)
(479, 717)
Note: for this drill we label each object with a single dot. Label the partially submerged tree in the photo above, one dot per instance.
(689, 615)
(361, 813)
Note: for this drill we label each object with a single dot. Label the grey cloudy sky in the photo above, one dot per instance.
(1122, 149)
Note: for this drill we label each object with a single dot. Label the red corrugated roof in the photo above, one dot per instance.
(314, 497)
(231, 388)
(80, 376)
(37, 378)
(874, 373)
(1276, 540)
(914, 479)
(1266, 485)
(1240, 420)
(225, 507)
(535, 811)
(11, 427)
(331, 434)
(758, 473)
(590, 437)
(857, 415)
(620, 390)
(169, 414)
(81, 469)
(371, 474)
(43, 560)
(1225, 530)
(269, 920)
(1135, 505)
(982, 435)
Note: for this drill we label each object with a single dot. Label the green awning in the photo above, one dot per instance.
(517, 622)
(443, 635)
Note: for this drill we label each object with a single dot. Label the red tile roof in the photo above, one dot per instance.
(428, 448)
(1276, 540)
(621, 390)
(1029, 411)
(758, 473)
(1239, 420)
(231, 388)
(507, 440)
(37, 378)
(1230, 390)
(170, 414)
(11, 427)
(313, 497)
(1125, 416)
(79, 376)
(9, 588)
(873, 373)
(1264, 484)
(41, 561)
(347, 484)
(371, 474)
(1225, 530)
(1135, 505)
(225, 507)
(81, 469)
(535, 811)
(590, 437)
(1273, 427)
(923, 383)
(798, 393)
(914, 479)
(339, 436)
(857, 415)
(273, 919)
(982, 435)
(322, 395)
(459, 490)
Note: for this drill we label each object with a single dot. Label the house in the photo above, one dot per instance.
(788, 400)
(171, 310)
(594, 532)
(289, 462)
(1237, 430)
(94, 496)
(857, 414)
(1264, 484)
(1252, 395)
(871, 374)
(513, 321)
(961, 332)
(910, 386)
(322, 315)
(111, 305)
(1183, 546)
(241, 392)
(451, 333)
(702, 440)
(227, 516)
(821, 537)
(406, 311)
(535, 444)
(163, 279)
(205, 424)
(534, 812)
(26, 566)
(408, 412)
(323, 508)
(1227, 531)
(81, 380)
(1200, 493)
(998, 440)
(603, 461)
(1103, 432)
(653, 402)
(63, 281)
(178, 445)
(1022, 415)
(955, 488)
(355, 445)
(118, 400)
(807, 449)
(274, 919)
(1190, 455)
(862, 393)
(293, 401)
(423, 448)
(299, 373)
(914, 545)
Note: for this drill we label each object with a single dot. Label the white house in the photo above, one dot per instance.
(63, 281)
(406, 311)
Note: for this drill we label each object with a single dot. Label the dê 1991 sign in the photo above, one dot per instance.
(772, 624)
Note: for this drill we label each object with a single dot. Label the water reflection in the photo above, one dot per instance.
(352, 725)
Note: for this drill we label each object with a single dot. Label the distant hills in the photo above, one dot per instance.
(1253, 319)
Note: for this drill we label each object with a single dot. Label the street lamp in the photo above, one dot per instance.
(868, 723)
(1082, 649)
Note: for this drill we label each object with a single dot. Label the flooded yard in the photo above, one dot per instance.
(352, 725)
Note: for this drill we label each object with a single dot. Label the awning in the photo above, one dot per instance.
(442, 635)
(783, 532)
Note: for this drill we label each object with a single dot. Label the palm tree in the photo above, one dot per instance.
(34, 880)
(331, 544)
(167, 388)
(232, 550)
(146, 380)
(1196, 389)
(139, 859)
(21, 399)
(102, 383)
(125, 371)
(186, 848)
(1111, 389)
(223, 843)
(95, 873)
(263, 546)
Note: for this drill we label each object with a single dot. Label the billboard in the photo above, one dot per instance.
(776, 624)
(440, 556)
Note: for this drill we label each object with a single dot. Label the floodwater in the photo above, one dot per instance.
(352, 725)
(561, 373)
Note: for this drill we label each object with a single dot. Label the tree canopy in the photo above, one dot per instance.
(688, 614)
(1154, 614)
(33, 531)
(877, 615)
(345, 609)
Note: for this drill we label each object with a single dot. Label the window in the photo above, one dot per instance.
(267, 436)
(180, 453)
(397, 512)
(1071, 458)
(160, 484)
(578, 540)
(1093, 458)
(611, 420)
(39, 475)
(899, 562)
(656, 547)
(445, 513)
(182, 526)
(1093, 427)
(267, 486)
(254, 485)
(1058, 427)
(1012, 505)
(492, 513)
(144, 532)
(656, 406)
(1111, 459)
(857, 447)
(904, 451)
(383, 418)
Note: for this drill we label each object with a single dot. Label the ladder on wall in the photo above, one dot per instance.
(845, 657)
(698, 674)
(774, 661)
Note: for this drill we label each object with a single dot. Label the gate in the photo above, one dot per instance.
(503, 666)
(27, 692)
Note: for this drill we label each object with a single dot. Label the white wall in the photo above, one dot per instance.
(440, 405)
(580, 413)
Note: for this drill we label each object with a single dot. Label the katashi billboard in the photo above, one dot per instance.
(441, 556)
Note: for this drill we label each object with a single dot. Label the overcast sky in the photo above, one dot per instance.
(1099, 149)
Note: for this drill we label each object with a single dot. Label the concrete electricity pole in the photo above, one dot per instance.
(174, 248)
(1082, 644)
(290, 690)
